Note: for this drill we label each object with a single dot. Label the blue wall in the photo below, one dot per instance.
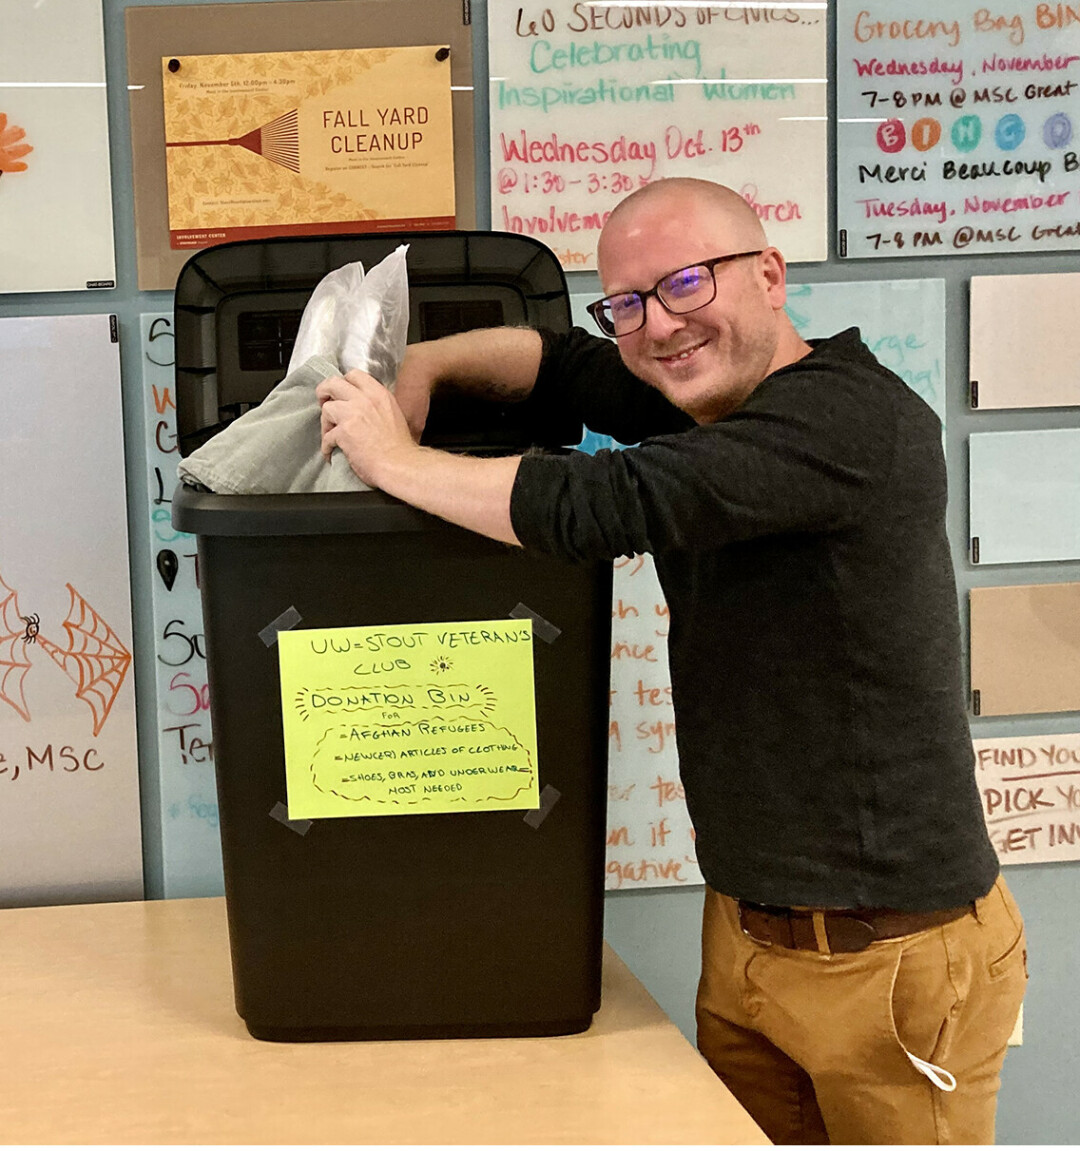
(656, 931)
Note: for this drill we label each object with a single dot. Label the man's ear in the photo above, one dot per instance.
(774, 272)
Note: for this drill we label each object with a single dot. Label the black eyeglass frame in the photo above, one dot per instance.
(595, 309)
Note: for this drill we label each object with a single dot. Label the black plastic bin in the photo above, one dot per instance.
(475, 924)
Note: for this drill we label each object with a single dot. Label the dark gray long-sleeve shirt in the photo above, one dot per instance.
(814, 640)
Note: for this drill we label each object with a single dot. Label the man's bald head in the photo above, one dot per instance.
(706, 359)
(731, 212)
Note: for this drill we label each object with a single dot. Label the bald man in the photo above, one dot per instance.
(862, 962)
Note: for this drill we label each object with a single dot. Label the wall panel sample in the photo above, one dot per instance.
(1025, 496)
(69, 812)
(589, 102)
(187, 815)
(1025, 341)
(650, 840)
(56, 230)
(300, 25)
(1025, 649)
(1030, 788)
(956, 128)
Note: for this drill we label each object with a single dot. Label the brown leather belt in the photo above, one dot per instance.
(828, 931)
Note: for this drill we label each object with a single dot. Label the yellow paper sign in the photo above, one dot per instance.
(409, 719)
(303, 143)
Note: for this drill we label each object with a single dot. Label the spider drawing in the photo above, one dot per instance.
(33, 626)
(441, 663)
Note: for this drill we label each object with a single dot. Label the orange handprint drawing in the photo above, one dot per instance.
(11, 151)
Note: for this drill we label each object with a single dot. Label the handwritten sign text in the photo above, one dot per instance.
(409, 718)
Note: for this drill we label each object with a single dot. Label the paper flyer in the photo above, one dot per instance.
(409, 719)
(307, 143)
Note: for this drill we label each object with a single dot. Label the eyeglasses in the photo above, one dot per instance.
(681, 291)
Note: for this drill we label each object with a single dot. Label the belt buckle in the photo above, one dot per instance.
(745, 913)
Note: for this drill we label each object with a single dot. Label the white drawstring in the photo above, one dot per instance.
(940, 1078)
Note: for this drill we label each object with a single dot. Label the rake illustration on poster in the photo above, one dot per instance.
(278, 142)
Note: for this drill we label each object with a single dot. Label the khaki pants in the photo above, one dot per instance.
(816, 1047)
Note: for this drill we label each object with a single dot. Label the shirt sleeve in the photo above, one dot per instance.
(586, 375)
(803, 454)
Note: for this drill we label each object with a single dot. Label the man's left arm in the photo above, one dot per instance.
(364, 420)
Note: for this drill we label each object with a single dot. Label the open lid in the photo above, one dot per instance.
(238, 306)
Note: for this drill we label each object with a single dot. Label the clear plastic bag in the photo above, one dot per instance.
(358, 321)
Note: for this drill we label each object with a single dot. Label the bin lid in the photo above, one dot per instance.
(238, 306)
(206, 513)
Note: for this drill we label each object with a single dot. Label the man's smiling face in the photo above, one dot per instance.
(708, 361)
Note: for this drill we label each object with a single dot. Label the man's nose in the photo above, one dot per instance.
(659, 322)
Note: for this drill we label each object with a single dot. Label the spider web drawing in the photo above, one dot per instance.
(95, 660)
(13, 662)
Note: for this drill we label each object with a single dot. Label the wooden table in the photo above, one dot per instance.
(117, 1025)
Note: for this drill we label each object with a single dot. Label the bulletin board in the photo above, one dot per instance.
(589, 102)
(70, 828)
(956, 128)
(185, 792)
(650, 839)
(56, 223)
(201, 30)
(1024, 349)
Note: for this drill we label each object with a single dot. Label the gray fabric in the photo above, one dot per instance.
(275, 447)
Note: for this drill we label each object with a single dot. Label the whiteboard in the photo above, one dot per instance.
(956, 128)
(56, 200)
(1025, 341)
(69, 787)
(1030, 790)
(590, 101)
(650, 839)
(185, 817)
(1025, 496)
